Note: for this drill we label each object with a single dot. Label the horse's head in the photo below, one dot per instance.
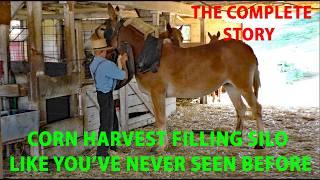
(214, 38)
(137, 34)
(98, 32)
(174, 34)
(122, 31)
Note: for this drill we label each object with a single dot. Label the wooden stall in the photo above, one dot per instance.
(50, 79)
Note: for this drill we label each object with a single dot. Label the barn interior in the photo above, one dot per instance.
(45, 83)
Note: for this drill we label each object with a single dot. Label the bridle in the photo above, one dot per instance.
(115, 32)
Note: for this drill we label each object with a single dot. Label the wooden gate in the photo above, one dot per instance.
(134, 108)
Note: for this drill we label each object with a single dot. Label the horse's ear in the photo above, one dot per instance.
(210, 36)
(180, 28)
(118, 13)
(112, 13)
(218, 34)
(169, 27)
(117, 9)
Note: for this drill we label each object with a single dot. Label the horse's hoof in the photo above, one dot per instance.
(259, 147)
(152, 152)
(156, 150)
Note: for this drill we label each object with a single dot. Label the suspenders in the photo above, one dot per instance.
(94, 73)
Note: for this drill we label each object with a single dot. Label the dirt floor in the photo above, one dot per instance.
(301, 125)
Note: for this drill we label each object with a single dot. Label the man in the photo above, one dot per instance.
(106, 73)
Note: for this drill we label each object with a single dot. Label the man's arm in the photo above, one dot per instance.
(126, 71)
(123, 59)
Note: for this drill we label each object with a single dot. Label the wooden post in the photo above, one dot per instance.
(80, 49)
(80, 60)
(34, 9)
(80, 45)
(203, 100)
(5, 58)
(202, 32)
(69, 31)
(124, 113)
(169, 17)
(4, 49)
(35, 57)
(70, 49)
(5, 19)
(156, 21)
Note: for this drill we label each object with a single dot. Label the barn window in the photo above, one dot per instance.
(53, 40)
(186, 33)
(18, 41)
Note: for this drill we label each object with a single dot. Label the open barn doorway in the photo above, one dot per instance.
(289, 63)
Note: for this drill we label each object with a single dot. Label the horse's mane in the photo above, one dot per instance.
(141, 26)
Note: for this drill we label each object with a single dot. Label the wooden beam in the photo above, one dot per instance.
(80, 49)
(35, 49)
(101, 13)
(140, 95)
(70, 42)
(162, 6)
(80, 59)
(5, 19)
(202, 31)
(203, 100)
(169, 18)
(156, 21)
(4, 49)
(52, 87)
(15, 6)
(5, 58)
(12, 90)
(124, 115)
(69, 31)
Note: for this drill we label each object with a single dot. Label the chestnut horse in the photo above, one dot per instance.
(213, 39)
(174, 34)
(194, 72)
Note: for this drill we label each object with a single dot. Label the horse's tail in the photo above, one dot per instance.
(256, 82)
(256, 77)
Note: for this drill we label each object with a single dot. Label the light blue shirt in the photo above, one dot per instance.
(106, 74)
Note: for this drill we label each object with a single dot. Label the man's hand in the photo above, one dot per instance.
(123, 58)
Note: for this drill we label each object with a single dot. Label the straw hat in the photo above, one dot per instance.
(100, 44)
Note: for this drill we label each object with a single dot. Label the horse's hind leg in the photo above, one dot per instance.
(158, 100)
(219, 94)
(237, 102)
(256, 110)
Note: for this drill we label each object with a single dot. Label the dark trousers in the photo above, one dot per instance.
(108, 119)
